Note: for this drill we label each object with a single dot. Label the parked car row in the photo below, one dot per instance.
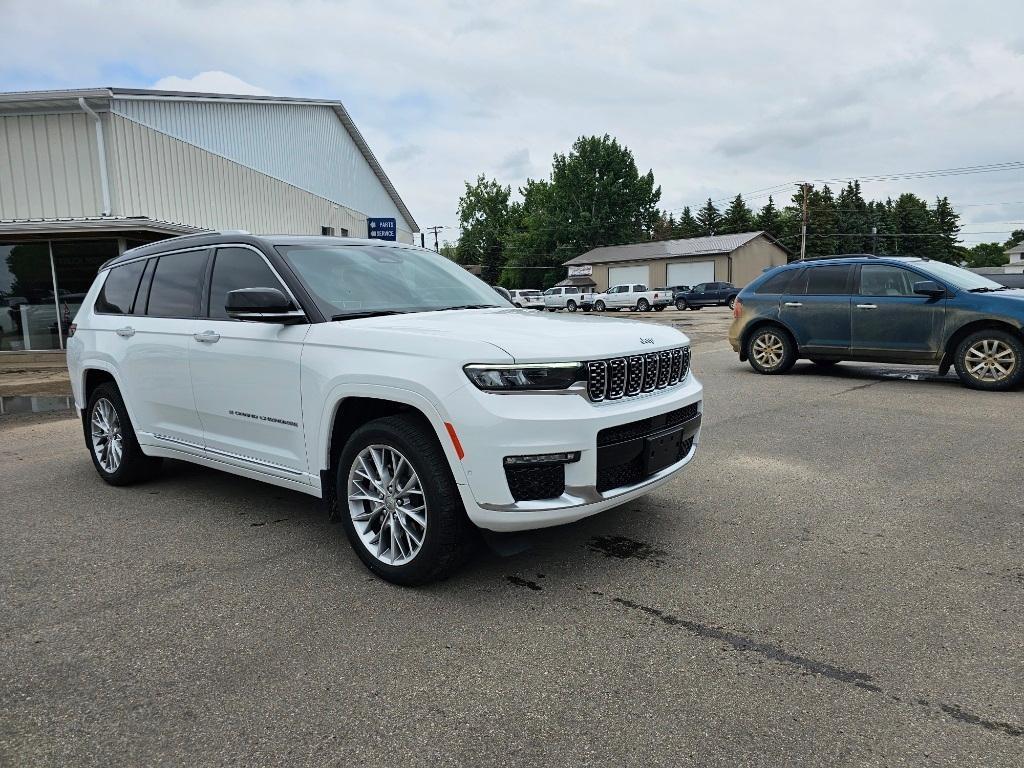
(633, 296)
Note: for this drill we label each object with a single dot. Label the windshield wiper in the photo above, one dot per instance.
(986, 289)
(367, 313)
(467, 306)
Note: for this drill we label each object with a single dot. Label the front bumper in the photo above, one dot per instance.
(493, 426)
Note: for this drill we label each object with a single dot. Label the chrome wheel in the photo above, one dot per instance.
(107, 437)
(387, 505)
(990, 360)
(768, 350)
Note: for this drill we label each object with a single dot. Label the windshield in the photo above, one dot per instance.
(960, 278)
(361, 279)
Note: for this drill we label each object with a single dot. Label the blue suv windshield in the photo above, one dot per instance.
(960, 278)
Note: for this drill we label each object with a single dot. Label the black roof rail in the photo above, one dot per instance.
(843, 256)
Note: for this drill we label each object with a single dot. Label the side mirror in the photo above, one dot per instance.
(929, 288)
(262, 305)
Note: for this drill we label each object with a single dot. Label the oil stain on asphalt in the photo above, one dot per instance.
(624, 548)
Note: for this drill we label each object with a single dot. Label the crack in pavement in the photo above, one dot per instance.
(776, 653)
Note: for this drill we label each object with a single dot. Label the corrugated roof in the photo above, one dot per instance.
(100, 98)
(93, 224)
(667, 249)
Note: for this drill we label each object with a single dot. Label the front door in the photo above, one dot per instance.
(245, 375)
(816, 308)
(156, 350)
(890, 321)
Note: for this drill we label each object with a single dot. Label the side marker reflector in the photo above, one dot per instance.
(455, 440)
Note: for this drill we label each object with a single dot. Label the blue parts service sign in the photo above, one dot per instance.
(381, 229)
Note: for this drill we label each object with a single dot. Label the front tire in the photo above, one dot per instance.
(990, 360)
(111, 439)
(571, 305)
(681, 305)
(599, 306)
(732, 302)
(398, 502)
(770, 350)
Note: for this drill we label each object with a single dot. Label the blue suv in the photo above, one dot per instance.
(882, 310)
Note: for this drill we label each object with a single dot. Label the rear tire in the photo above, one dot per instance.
(643, 306)
(111, 439)
(660, 308)
(770, 350)
(599, 306)
(991, 360)
(570, 305)
(434, 513)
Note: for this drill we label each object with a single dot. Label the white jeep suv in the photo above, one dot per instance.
(382, 378)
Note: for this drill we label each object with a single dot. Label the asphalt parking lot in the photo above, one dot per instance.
(837, 580)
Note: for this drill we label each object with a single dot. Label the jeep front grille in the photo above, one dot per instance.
(621, 377)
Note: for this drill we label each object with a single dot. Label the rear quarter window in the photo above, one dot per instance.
(117, 296)
(777, 283)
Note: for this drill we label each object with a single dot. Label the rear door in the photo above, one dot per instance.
(890, 321)
(246, 375)
(816, 307)
(158, 338)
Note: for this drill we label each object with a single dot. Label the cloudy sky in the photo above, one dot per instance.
(715, 97)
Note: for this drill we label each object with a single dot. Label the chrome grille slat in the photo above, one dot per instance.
(597, 379)
(620, 377)
(616, 378)
(634, 375)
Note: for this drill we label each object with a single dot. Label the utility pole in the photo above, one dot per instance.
(803, 225)
(423, 240)
(435, 230)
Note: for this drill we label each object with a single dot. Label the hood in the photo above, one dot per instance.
(531, 336)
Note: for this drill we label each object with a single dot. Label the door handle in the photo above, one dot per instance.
(207, 337)
(867, 306)
(794, 304)
(126, 332)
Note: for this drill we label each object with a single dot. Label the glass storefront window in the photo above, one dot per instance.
(32, 317)
(28, 315)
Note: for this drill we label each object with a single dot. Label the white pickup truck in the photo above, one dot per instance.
(634, 297)
(570, 297)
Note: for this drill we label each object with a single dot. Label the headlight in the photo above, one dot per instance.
(506, 378)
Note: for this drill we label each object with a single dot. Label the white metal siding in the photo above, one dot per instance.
(691, 272)
(304, 145)
(155, 175)
(628, 275)
(49, 167)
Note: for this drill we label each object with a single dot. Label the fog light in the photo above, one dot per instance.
(543, 458)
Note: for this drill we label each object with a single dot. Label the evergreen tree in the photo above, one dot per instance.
(770, 220)
(709, 219)
(738, 217)
(853, 219)
(687, 226)
(915, 228)
(946, 222)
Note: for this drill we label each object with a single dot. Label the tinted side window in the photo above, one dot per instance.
(117, 297)
(777, 283)
(572, 290)
(177, 285)
(886, 280)
(236, 268)
(828, 281)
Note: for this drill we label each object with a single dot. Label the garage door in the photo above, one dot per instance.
(691, 273)
(624, 275)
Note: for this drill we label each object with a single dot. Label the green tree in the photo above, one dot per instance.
(853, 221)
(596, 196)
(946, 223)
(687, 226)
(770, 219)
(709, 219)
(450, 250)
(915, 228)
(1016, 238)
(985, 255)
(664, 227)
(484, 216)
(738, 217)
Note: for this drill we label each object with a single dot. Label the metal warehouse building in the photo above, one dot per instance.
(736, 259)
(85, 174)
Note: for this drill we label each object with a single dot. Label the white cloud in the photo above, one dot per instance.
(213, 81)
(716, 98)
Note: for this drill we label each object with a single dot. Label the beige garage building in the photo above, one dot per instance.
(736, 259)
